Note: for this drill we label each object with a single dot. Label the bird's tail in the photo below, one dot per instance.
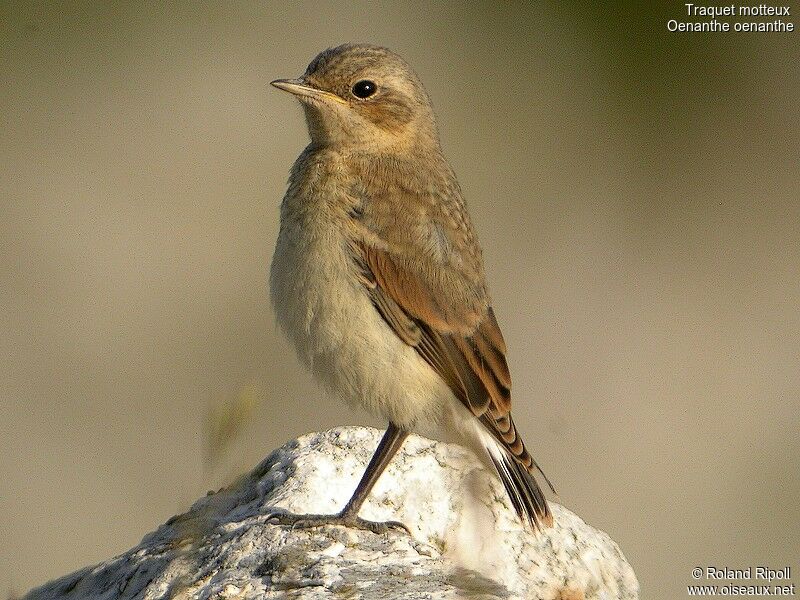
(515, 467)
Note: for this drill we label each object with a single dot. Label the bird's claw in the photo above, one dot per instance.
(342, 519)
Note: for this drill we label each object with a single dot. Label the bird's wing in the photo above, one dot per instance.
(462, 345)
(471, 360)
(420, 261)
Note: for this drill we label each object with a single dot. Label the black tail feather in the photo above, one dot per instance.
(524, 492)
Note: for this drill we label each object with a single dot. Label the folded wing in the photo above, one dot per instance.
(463, 343)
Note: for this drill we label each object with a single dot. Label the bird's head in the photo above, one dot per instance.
(363, 97)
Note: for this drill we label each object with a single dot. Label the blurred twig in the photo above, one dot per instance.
(226, 421)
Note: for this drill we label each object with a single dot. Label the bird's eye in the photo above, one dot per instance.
(364, 88)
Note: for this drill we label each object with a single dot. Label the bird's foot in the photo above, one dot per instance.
(343, 519)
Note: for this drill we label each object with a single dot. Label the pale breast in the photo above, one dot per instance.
(324, 309)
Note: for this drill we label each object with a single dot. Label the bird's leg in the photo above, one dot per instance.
(388, 447)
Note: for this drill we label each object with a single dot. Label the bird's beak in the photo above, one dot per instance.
(300, 88)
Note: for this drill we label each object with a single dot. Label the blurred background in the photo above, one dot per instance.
(637, 193)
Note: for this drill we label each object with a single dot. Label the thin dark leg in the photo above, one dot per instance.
(388, 447)
(390, 444)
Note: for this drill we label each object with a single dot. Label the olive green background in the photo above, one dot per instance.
(637, 193)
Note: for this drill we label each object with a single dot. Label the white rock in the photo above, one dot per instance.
(466, 540)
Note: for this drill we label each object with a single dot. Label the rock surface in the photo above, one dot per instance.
(466, 540)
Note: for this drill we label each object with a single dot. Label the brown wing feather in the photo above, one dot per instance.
(421, 263)
(469, 354)
(472, 363)
(414, 297)
(402, 300)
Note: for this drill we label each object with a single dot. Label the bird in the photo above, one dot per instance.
(378, 278)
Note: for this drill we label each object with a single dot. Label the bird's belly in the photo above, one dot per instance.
(325, 310)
